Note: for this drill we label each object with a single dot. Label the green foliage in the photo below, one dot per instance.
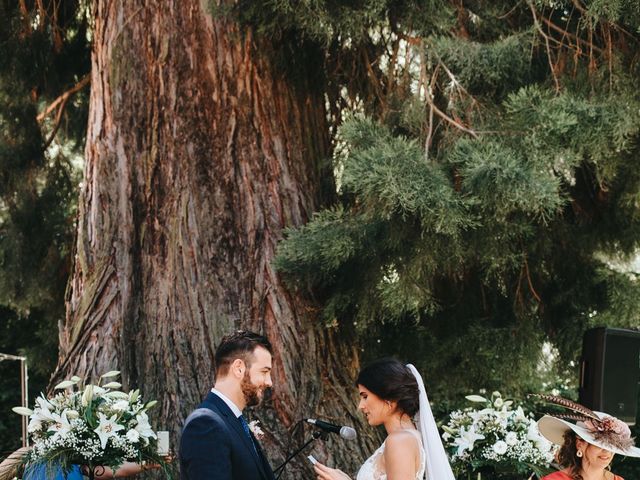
(328, 21)
(491, 68)
(474, 253)
(391, 178)
(43, 52)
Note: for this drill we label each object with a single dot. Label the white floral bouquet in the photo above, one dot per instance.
(496, 439)
(91, 425)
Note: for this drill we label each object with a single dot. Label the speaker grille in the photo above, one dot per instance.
(610, 372)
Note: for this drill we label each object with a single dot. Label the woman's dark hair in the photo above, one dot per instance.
(567, 457)
(391, 380)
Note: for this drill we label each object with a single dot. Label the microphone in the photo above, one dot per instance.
(347, 433)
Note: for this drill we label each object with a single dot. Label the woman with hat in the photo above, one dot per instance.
(588, 446)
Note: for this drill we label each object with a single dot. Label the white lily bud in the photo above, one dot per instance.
(112, 373)
(134, 395)
(113, 385)
(87, 396)
(117, 394)
(65, 384)
(24, 411)
(476, 398)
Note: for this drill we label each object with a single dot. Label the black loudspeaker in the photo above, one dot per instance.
(610, 372)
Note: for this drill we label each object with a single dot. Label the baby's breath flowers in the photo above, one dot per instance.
(92, 425)
(495, 436)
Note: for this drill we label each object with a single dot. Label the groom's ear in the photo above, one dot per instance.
(238, 367)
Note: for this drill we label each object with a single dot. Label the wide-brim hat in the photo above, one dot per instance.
(553, 429)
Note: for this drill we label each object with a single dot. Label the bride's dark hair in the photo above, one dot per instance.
(391, 380)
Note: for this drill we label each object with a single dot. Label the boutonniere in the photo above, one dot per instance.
(254, 426)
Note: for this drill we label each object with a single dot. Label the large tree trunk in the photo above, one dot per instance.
(198, 154)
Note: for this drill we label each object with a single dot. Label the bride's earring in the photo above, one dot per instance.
(579, 454)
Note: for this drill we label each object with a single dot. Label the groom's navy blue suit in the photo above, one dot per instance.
(215, 446)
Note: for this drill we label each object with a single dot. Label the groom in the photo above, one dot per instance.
(216, 442)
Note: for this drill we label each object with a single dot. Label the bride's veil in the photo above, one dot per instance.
(438, 467)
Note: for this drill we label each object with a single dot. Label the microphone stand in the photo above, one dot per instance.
(316, 434)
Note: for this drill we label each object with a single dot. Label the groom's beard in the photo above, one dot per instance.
(252, 393)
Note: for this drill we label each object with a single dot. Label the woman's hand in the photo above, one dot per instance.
(326, 473)
(127, 469)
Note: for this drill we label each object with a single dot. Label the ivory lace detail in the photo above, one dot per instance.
(373, 468)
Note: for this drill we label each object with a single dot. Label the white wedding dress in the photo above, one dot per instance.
(373, 468)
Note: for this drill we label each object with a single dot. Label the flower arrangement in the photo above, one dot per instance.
(496, 440)
(90, 425)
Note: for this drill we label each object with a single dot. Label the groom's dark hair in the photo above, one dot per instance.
(390, 379)
(240, 344)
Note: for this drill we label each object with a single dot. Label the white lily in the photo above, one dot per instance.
(466, 440)
(520, 415)
(35, 425)
(120, 405)
(143, 427)
(61, 425)
(42, 414)
(481, 414)
(533, 433)
(44, 404)
(108, 428)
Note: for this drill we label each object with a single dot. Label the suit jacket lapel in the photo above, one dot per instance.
(235, 424)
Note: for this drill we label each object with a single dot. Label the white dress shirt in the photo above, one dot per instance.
(234, 408)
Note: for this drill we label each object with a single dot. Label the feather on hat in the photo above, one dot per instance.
(596, 428)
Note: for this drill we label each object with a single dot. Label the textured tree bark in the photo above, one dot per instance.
(198, 154)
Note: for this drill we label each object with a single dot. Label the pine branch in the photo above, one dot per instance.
(62, 99)
(546, 37)
(60, 103)
(446, 117)
(565, 32)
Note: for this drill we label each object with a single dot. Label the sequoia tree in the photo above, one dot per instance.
(199, 152)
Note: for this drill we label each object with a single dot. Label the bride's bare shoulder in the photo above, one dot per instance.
(402, 440)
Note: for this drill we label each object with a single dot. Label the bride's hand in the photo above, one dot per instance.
(326, 473)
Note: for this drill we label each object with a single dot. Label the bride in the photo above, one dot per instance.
(393, 395)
